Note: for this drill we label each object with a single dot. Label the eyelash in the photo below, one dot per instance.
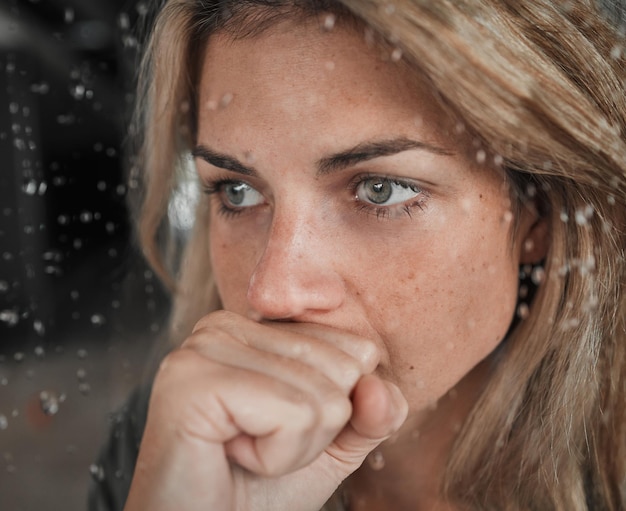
(385, 212)
(215, 187)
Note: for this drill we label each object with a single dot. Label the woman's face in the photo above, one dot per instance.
(341, 195)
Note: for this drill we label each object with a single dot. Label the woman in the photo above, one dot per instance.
(414, 224)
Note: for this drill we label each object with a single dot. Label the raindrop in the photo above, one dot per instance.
(4, 286)
(123, 21)
(40, 351)
(39, 327)
(396, 54)
(63, 219)
(43, 187)
(68, 15)
(616, 52)
(98, 320)
(481, 156)
(74, 295)
(523, 311)
(66, 119)
(49, 402)
(564, 217)
(19, 144)
(4, 423)
(583, 215)
(142, 8)
(10, 317)
(611, 199)
(14, 108)
(226, 99)
(376, 460)
(538, 275)
(102, 186)
(81, 374)
(86, 217)
(97, 472)
(40, 88)
(84, 388)
(78, 91)
(77, 244)
(110, 227)
(329, 21)
(82, 353)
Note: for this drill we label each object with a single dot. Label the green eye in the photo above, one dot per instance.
(385, 192)
(240, 195)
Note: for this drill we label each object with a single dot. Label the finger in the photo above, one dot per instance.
(267, 426)
(379, 409)
(364, 350)
(326, 353)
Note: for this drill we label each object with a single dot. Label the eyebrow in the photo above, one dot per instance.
(360, 153)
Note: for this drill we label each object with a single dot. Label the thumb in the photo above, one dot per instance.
(379, 409)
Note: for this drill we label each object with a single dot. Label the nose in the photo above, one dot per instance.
(296, 274)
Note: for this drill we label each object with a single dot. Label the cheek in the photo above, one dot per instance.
(445, 313)
(232, 262)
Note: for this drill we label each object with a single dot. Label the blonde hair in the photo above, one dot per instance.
(540, 86)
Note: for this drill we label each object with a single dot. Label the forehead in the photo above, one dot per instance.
(295, 70)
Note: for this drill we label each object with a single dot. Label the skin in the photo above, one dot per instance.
(341, 317)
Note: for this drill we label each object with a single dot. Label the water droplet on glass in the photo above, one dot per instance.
(84, 388)
(226, 100)
(142, 8)
(523, 311)
(538, 275)
(123, 21)
(396, 54)
(98, 319)
(4, 422)
(583, 215)
(81, 374)
(30, 187)
(4, 286)
(78, 91)
(39, 327)
(40, 351)
(97, 472)
(14, 108)
(49, 402)
(86, 217)
(616, 52)
(481, 156)
(329, 21)
(82, 353)
(10, 317)
(376, 460)
(564, 217)
(68, 15)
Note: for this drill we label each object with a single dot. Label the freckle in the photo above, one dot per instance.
(481, 196)
(411, 275)
(411, 368)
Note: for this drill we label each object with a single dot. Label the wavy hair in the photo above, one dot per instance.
(540, 84)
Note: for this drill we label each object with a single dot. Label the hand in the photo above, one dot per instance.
(249, 416)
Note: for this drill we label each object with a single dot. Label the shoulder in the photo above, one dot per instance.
(112, 472)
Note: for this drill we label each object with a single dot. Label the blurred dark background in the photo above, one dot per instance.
(79, 310)
(65, 96)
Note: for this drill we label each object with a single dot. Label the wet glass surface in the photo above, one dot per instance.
(78, 310)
